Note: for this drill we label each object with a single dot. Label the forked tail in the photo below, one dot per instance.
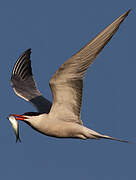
(95, 135)
(112, 138)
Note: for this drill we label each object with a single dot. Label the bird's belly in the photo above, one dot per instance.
(61, 129)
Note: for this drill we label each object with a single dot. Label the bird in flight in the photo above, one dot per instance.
(61, 117)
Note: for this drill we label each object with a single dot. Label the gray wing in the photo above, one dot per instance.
(24, 85)
(67, 83)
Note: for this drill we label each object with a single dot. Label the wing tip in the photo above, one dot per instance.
(27, 52)
(127, 12)
(19, 65)
(121, 18)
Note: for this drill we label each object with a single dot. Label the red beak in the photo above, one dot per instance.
(19, 117)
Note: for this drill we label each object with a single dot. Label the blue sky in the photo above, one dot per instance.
(55, 30)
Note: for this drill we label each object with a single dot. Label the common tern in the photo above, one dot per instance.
(61, 117)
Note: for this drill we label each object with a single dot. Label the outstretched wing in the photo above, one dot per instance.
(24, 85)
(67, 83)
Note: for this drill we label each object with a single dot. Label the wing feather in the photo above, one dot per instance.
(67, 82)
(24, 84)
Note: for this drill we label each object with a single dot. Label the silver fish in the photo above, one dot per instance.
(15, 126)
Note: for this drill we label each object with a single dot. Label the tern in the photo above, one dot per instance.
(61, 117)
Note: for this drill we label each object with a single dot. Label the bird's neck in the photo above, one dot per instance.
(35, 120)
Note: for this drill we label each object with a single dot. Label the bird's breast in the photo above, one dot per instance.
(58, 128)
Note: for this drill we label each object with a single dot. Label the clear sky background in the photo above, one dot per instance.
(55, 30)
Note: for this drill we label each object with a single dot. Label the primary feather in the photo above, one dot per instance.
(24, 84)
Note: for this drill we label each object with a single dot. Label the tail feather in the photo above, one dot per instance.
(112, 138)
(95, 135)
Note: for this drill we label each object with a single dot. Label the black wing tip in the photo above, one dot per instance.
(22, 67)
(27, 52)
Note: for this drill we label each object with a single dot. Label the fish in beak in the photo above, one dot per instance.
(15, 126)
